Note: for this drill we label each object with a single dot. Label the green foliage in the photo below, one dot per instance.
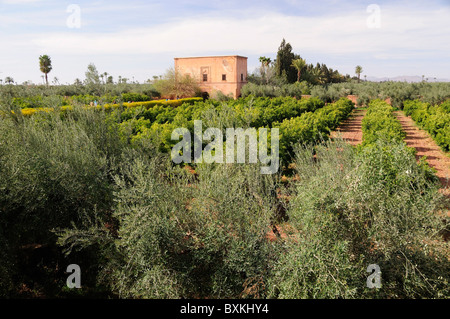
(330, 90)
(245, 112)
(312, 126)
(45, 65)
(296, 89)
(99, 183)
(135, 97)
(381, 123)
(53, 169)
(173, 84)
(283, 62)
(219, 96)
(92, 75)
(299, 64)
(175, 240)
(351, 209)
(434, 119)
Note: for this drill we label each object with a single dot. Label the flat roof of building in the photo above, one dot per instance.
(212, 56)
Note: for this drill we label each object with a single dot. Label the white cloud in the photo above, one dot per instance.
(335, 34)
(416, 33)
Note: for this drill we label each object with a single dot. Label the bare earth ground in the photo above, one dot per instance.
(425, 146)
(350, 130)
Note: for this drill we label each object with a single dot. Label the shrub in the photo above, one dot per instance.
(351, 209)
(381, 123)
(434, 119)
(179, 240)
(53, 171)
(311, 127)
(135, 97)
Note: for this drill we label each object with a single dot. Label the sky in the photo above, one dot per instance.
(139, 39)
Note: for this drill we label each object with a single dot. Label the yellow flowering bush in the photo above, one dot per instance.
(147, 104)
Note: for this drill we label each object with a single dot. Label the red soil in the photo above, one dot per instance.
(426, 146)
(350, 130)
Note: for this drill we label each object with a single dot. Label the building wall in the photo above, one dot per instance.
(234, 68)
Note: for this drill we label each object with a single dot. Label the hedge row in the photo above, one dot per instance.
(146, 104)
(255, 111)
(304, 120)
(434, 119)
(382, 130)
(312, 126)
(298, 120)
(271, 110)
(40, 101)
(381, 123)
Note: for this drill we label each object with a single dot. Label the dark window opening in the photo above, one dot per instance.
(224, 77)
(242, 77)
(205, 77)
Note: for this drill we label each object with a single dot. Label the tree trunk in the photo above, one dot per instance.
(46, 79)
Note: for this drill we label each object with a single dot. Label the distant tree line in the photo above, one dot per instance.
(289, 67)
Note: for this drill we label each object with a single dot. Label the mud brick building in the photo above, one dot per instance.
(226, 74)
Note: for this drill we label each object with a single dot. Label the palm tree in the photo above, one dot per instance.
(317, 75)
(9, 80)
(264, 61)
(299, 64)
(358, 71)
(45, 65)
(264, 65)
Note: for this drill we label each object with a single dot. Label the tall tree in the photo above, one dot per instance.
(92, 76)
(9, 80)
(318, 76)
(298, 64)
(358, 71)
(45, 65)
(265, 62)
(283, 62)
(174, 84)
(325, 73)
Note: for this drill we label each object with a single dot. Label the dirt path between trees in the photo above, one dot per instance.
(426, 146)
(350, 130)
